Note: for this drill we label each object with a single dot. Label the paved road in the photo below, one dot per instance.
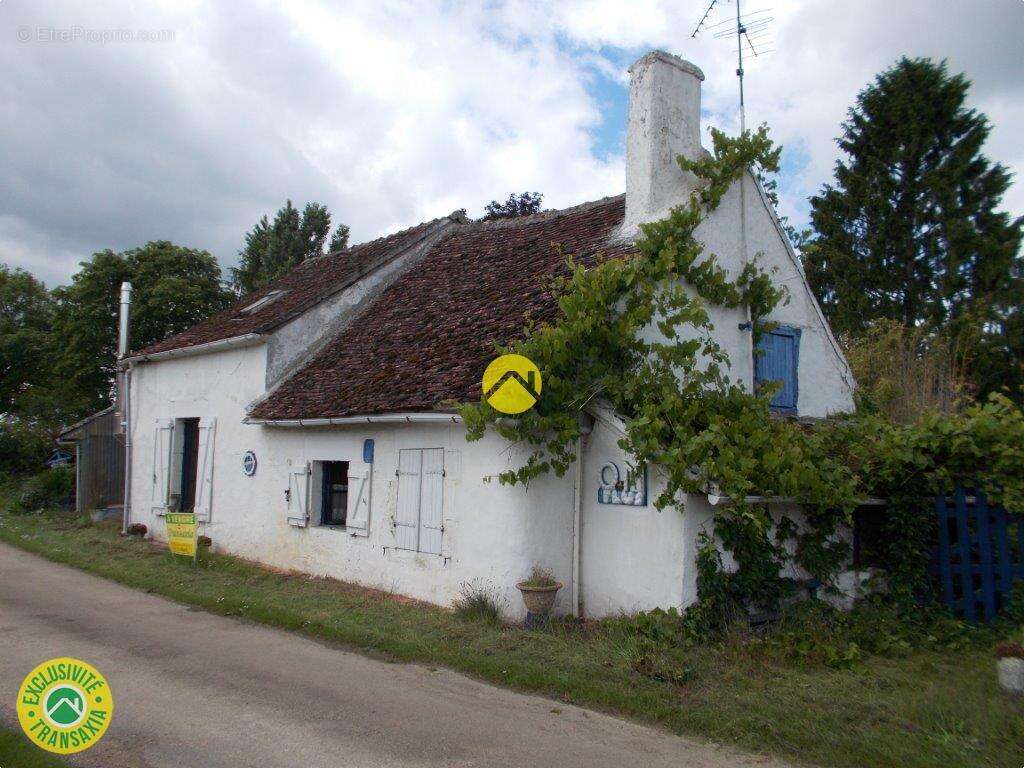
(194, 689)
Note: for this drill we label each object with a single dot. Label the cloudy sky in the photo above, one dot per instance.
(202, 116)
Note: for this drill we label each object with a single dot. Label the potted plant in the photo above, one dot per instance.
(1010, 664)
(538, 592)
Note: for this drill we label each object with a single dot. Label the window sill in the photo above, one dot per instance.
(402, 555)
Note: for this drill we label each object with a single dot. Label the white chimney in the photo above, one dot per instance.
(123, 338)
(664, 122)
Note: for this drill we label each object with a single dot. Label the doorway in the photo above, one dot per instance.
(189, 464)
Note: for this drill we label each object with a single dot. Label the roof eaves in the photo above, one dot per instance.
(82, 422)
(231, 342)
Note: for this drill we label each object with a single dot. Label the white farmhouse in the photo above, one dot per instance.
(311, 426)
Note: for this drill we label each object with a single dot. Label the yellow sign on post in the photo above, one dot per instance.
(181, 533)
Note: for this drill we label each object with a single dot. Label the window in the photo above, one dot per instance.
(259, 304)
(869, 537)
(419, 514)
(777, 359)
(334, 493)
(331, 494)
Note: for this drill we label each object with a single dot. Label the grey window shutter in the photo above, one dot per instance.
(432, 501)
(204, 472)
(407, 512)
(161, 464)
(298, 497)
(357, 518)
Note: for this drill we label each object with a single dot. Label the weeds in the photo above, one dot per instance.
(476, 604)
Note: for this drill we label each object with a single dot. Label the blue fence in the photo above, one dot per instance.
(980, 555)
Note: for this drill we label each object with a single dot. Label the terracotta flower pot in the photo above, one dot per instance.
(539, 600)
(1011, 675)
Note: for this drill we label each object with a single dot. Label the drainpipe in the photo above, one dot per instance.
(577, 495)
(124, 395)
(586, 427)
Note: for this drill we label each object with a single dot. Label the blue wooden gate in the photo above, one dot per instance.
(980, 555)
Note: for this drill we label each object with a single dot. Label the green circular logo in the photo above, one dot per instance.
(64, 706)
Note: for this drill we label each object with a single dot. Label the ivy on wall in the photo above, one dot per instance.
(684, 414)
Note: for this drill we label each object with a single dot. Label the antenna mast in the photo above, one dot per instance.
(739, 70)
(753, 26)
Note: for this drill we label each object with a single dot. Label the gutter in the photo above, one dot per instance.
(246, 340)
(386, 418)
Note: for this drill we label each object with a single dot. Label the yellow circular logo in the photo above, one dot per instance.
(512, 384)
(65, 705)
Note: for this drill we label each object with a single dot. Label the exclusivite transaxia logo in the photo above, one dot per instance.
(65, 705)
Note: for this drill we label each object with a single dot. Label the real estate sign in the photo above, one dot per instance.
(181, 533)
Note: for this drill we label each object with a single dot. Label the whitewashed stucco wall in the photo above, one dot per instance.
(825, 382)
(631, 558)
(664, 123)
(493, 534)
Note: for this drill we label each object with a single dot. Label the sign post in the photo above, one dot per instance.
(181, 533)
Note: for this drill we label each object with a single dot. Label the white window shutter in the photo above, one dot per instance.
(360, 482)
(432, 501)
(407, 512)
(298, 497)
(204, 470)
(161, 464)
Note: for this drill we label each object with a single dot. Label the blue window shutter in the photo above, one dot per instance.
(778, 359)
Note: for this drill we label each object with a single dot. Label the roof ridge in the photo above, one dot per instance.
(554, 213)
(458, 216)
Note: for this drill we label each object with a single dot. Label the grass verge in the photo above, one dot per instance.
(926, 708)
(16, 751)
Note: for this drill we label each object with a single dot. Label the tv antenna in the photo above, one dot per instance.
(752, 28)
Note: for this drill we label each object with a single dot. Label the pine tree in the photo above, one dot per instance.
(274, 248)
(910, 229)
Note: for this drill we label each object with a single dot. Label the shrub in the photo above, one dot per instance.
(903, 372)
(540, 578)
(49, 488)
(476, 604)
(23, 447)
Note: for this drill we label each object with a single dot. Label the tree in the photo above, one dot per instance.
(517, 205)
(910, 230)
(274, 248)
(339, 240)
(173, 288)
(26, 315)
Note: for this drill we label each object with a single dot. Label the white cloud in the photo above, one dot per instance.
(391, 113)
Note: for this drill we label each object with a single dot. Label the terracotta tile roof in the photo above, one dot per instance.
(428, 338)
(306, 285)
